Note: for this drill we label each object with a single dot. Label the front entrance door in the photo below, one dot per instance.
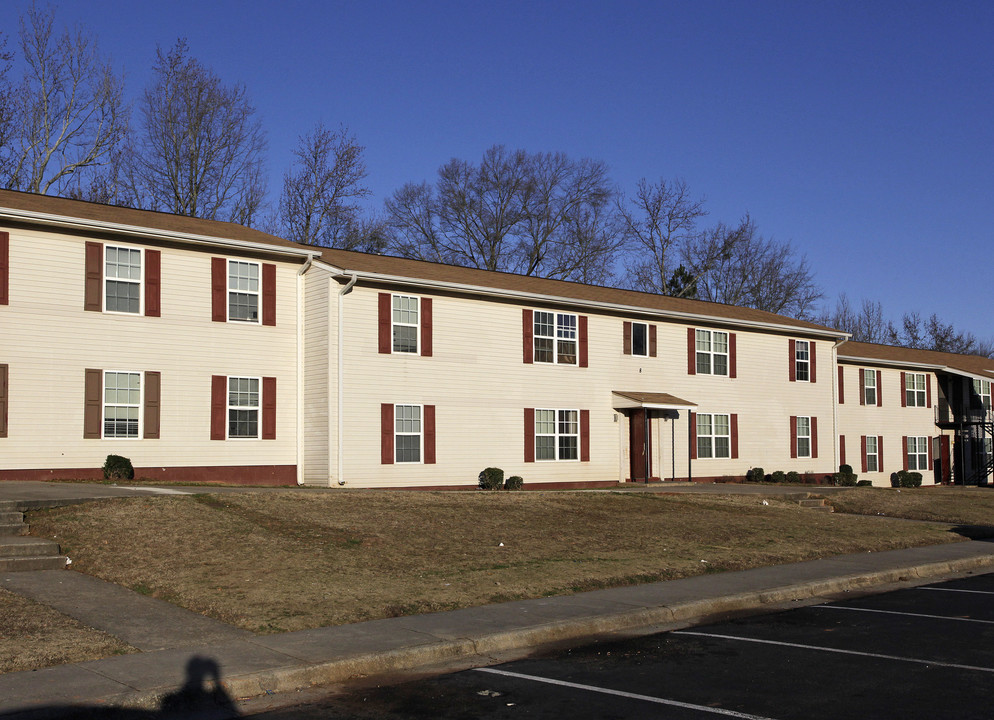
(943, 475)
(640, 445)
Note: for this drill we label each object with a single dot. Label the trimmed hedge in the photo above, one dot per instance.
(118, 467)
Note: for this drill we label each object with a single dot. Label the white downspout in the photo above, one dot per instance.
(300, 369)
(341, 381)
(835, 400)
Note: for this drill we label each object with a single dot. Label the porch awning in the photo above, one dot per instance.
(650, 400)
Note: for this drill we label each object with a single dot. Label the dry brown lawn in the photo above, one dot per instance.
(280, 561)
(962, 505)
(34, 636)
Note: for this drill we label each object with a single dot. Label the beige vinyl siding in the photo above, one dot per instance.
(319, 352)
(50, 340)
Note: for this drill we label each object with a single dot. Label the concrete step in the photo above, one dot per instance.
(816, 504)
(11, 517)
(27, 546)
(26, 564)
(10, 529)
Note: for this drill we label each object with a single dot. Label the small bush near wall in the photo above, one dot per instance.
(906, 479)
(117, 467)
(756, 474)
(793, 477)
(514, 483)
(491, 478)
(864, 483)
(778, 476)
(845, 476)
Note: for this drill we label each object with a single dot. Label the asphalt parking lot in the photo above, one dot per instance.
(925, 652)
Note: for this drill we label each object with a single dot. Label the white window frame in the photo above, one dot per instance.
(104, 405)
(869, 385)
(257, 293)
(806, 436)
(395, 323)
(704, 344)
(562, 335)
(914, 396)
(802, 360)
(982, 388)
(229, 408)
(917, 449)
(711, 446)
(568, 418)
(872, 455)
(406, 433)
(140, 282)
(638, 327)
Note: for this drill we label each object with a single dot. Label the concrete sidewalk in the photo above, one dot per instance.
(254, 665)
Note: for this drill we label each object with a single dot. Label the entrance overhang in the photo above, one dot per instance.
(624, 400)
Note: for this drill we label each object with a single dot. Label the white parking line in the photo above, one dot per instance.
(974, 592)
(621, 693)
(931, 663)
(907, 614)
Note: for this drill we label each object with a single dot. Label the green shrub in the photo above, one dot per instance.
(864, 483)
(117, 467)
(908, 479)
(491, 478)
(845, 476)
(846, 469)
(778, 476)
(756, 474)
(514, 483)
(793, 477)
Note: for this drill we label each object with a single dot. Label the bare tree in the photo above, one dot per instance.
(7, 98)
(200, 148)
(867, 324)
(933, 334)
(68, 112)
(320, 192)
(541, 214)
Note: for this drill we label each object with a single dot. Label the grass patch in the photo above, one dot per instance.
(282, 561)
(961, 505)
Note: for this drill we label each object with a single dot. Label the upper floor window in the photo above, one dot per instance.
(557, 434)
(555, 337)
(914, 389)
(405, 324)
(243, 291)
(712, 352)
(122, 279)
(869, 387)
(122, 404)
(918, 453)
(982, 389)
(640, 339)
(802, 360)
(714, 436)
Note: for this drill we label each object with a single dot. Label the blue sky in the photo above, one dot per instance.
(861, 132)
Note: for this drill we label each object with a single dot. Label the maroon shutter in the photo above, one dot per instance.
(529, 434)
(928, 391)
(814, 437)
(268, 294)
(904, 396)
(792, 368)
(733, 421)
(693, 435)
(904, 444)
(880, 392)
(862, 446)
(732, 356)
(583, 340)
(527, 329)
(268, 408)
(384, 313)
(862, 386)
(153, 282)
(153, 391)
(429, 434)
(627, 338)
(219, 291)
(93, 300)
(219, 406)
(426, 326)
(793, 436)
(652, 341)
(386, 434)
(3, 401)
(691, 352)
(812, 355)
(4, 268)
(880, 452)
(93, 410)
(842, 449)
(842, 388)
(585, 436)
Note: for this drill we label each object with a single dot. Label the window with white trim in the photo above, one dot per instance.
(243, 291)
(712, 352)
(714, 436)
(408, 433)
(803, 436)
(244, 401)
(982, 389)
(872, 454)
(640, 339)
(557, 434)
(869, 387)
(802, 360)
(914, 389)
(918, 453)
(122, 279)
(406, 327)
(122, 404)
(555, 337)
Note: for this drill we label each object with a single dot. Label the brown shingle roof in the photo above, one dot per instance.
(454, 274)
(972, 364)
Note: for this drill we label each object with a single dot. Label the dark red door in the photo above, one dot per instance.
(639, 445)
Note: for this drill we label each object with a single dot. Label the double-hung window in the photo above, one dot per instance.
(914, 389)
(917, 453)
(714, 436)
(640, 339)
(122, 279)
(872, 454)
(243, 291)
(122, 404)
(982, 389)
(407, 433)
(243, 407)
(405, 323)
(802, 360)
(557, 434)
(869, 386)
(555, 337)
(803, 436)
(712, 352)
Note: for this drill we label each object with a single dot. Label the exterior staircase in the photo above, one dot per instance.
(812, 501)
(20, 552)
